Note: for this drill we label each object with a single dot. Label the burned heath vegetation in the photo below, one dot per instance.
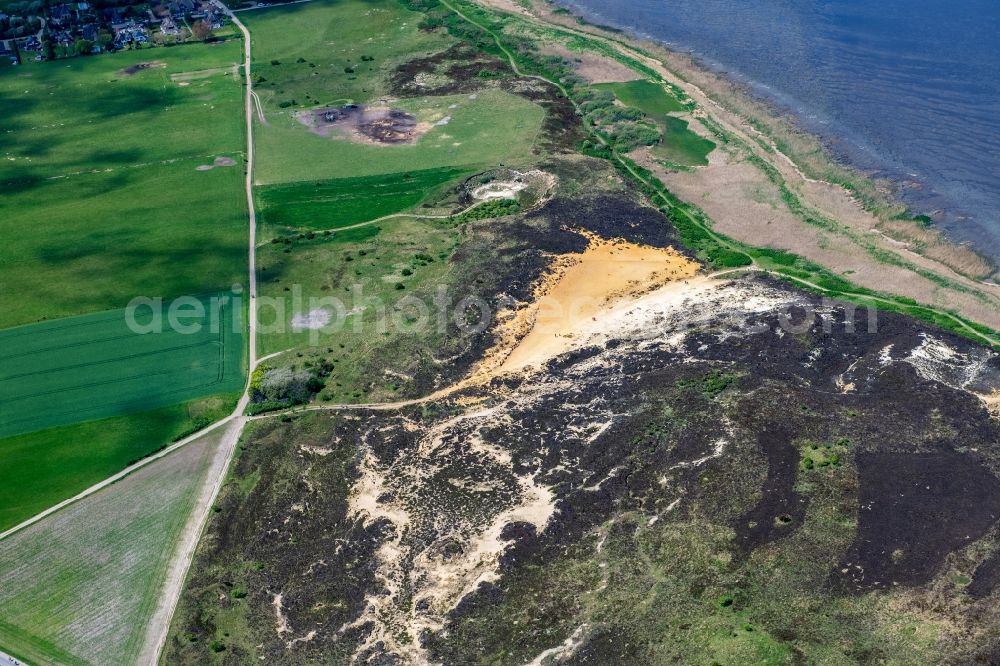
(721, 471)
(590, 448)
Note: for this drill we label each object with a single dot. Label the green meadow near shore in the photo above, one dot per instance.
(680, 145)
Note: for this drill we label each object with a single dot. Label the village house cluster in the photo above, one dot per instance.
(36, 30)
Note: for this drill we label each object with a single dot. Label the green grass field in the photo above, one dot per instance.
(45, 467)
(100, 199)
(80, 586)
(646, 95)
(93, 366)
(481, 131)
(680, 145)
(341, 202)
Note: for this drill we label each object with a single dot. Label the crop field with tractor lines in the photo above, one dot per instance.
(79, 587)
(93, 366)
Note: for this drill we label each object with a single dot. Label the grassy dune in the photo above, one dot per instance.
(310, 182)
(368, 270)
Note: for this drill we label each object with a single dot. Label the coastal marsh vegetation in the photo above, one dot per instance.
(646, 95)
(80, 586)
(772, 132)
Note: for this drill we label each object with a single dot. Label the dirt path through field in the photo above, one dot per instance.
(159, 623)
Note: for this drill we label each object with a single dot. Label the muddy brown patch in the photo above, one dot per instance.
(377, 124)
(132, 70)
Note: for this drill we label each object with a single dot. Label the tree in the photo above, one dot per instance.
(105, 39)
(83, 46)
(201, 30)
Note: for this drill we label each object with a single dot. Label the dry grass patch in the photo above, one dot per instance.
(80, 586)
(593, 67)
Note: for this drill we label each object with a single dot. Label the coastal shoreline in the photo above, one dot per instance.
(826, 156)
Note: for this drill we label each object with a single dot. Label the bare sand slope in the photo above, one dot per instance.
(572, 301)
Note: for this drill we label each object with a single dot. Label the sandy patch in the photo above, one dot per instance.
(574, 299)
(507, 6)
(992, 402)
(432, 572)
(217, 162)
(593, 67)
(500, 189)
(314, 319)
(564, 650)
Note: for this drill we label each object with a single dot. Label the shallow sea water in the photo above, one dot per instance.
(904, 89)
